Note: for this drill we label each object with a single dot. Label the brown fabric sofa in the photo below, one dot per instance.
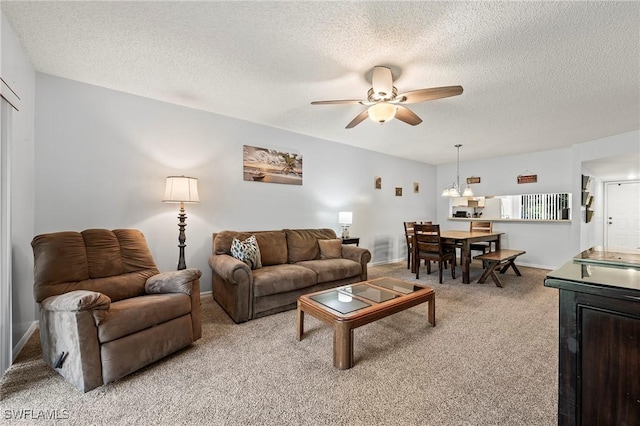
(105, 305)
(291, 266)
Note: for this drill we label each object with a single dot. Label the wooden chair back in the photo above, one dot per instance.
(482, 226)
(408, 234)
(408, 229)
(429, 246)
(427, 241)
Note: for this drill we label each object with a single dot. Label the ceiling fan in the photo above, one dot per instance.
(385, 103)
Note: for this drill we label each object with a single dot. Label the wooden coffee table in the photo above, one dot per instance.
(351, 306)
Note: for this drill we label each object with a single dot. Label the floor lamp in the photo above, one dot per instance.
(181, 189)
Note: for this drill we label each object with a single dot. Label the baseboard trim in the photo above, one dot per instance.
(387, 262)
(23, 341)
(206, 295)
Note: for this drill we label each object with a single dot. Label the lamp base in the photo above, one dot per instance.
(345, 232)
(182, 238)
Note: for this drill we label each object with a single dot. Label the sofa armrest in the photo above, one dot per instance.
(357, 254)
(232, 286)
(79, 300)
(173, 281)
(230, 269)
(75, 301)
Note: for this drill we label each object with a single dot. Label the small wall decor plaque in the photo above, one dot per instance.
(377, 182)
(398, 192)
(473, 179)
(527, 178)
(416, 187)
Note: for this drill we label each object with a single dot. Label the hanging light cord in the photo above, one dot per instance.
(458, 170)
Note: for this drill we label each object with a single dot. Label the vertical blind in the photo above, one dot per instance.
(543, 206)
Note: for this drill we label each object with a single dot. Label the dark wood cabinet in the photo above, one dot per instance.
(599, 343)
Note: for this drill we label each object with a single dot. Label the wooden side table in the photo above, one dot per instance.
(351, 240)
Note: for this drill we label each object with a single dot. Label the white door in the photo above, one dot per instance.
(622, 224)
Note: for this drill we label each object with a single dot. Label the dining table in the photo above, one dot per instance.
(463, 240)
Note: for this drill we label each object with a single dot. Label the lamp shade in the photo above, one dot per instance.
(181, 189)
(345, 218)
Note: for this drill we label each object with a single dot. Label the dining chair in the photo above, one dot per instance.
(429, 246)
(482, 226)
(408, 235)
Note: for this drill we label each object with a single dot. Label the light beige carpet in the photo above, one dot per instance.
(490, 360)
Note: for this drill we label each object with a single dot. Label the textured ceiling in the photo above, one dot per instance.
(536, 75)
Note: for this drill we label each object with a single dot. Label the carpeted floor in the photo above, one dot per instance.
(491, 360)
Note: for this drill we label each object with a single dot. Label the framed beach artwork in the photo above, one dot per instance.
(398, 192)
(271, 166)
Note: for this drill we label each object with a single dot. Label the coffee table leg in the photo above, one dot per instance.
(432, 311)
(300, 323)
(342, 346)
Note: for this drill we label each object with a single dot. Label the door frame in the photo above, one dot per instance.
(9, 100)
(5, 238)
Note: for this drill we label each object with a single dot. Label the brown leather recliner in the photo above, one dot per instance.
(105, 310)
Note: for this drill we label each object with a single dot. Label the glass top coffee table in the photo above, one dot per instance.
(351, 306)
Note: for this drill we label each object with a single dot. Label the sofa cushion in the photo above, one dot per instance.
(247, 251)
(139, 313)
(272, 244)
(332, 269)
(302, 244)
(281, 278)
(330, 249)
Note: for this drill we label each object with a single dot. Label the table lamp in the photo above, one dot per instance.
(181, 189)
(345, 219)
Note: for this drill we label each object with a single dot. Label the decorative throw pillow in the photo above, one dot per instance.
(330, 249)
(247, 251)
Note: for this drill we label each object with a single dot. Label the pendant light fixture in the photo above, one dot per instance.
(453, 190)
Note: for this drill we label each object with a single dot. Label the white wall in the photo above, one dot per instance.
(624, 144)
(20, 75)
(548, 245)
(102, 157)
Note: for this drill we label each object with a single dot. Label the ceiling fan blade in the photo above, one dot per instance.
(346, 101)
(359, 119)
(408, 116)
(382, 82)
(422, 95)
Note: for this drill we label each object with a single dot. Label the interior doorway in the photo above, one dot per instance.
(622, 215)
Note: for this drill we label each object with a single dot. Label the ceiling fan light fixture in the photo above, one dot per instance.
(385, 103)
(382, 112)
